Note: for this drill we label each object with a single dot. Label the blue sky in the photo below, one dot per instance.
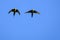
(45, 26)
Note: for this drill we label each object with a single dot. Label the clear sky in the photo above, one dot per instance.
(45, 26)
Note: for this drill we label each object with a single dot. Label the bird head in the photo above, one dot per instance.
(15, 9)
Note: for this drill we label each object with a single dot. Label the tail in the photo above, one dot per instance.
(14, 13)
(32, 15)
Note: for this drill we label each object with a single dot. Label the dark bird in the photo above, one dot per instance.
(32, 12)
(14, 11)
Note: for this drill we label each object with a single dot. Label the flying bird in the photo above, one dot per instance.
(32, 12)
(14, 11)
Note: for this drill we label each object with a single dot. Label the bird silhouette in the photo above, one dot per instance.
(14, 11)
(32, 12)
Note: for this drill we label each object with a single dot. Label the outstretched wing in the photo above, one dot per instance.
(18, 12)
(36, 12)
(10, 11)
(29, 11)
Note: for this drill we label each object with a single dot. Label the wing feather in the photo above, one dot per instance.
(18, 12)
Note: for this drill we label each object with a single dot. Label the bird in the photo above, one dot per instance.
(14, 10)
(32, 12)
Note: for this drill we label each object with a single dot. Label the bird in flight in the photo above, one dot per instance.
(14, 11)
(32, 12)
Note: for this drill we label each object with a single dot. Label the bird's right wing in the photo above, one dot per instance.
(10, 11)
(28, 11)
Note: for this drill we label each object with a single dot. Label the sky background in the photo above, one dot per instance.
(45, 26)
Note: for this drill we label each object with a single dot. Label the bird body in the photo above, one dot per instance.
(14, 11)
(32, 12)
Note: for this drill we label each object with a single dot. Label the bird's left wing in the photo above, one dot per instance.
(18, 12)
(36, 12)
